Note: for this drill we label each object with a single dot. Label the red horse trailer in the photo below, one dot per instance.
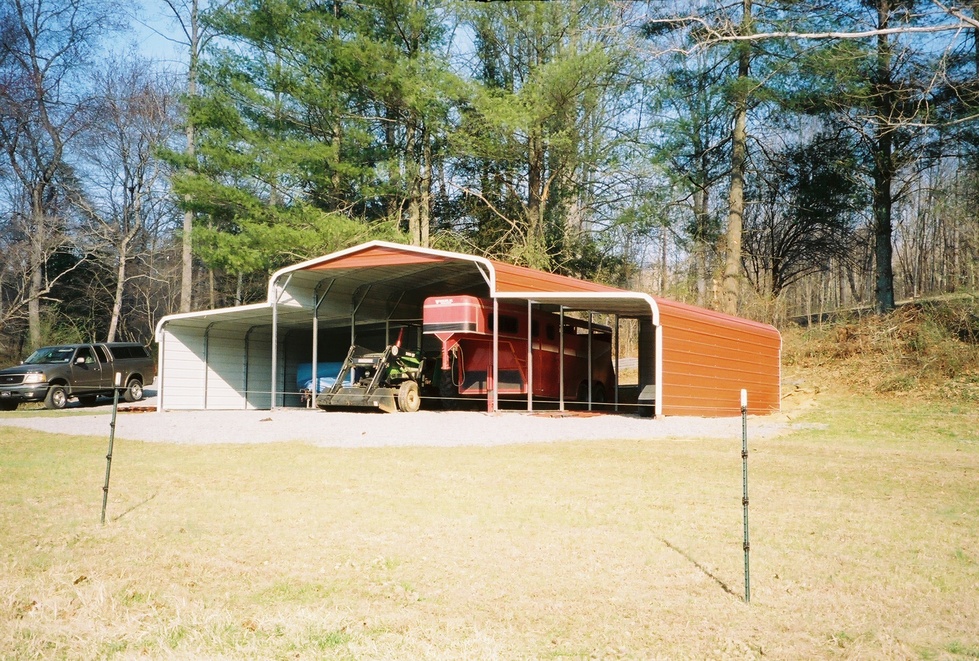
(464, 325)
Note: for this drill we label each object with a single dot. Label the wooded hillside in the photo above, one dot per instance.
(770, 160)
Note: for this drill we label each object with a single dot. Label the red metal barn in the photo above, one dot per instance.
(691, 361)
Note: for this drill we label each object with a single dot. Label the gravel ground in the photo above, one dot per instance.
(367, 429)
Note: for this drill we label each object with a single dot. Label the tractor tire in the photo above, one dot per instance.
(409, 399)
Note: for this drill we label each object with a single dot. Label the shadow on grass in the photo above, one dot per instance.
(701, 568)
(134, 507)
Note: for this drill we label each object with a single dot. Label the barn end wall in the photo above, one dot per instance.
(709, 357)
(215, 369)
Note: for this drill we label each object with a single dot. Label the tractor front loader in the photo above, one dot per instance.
(388, 380)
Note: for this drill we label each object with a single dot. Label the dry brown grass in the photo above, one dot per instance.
(864, 529)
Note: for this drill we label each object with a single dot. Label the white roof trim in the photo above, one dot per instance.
(302, 266)
(585, 296)
(204, 314)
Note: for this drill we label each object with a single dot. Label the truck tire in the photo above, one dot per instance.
(409, 399)
(56, 399)
(133, 391)
(8, 405)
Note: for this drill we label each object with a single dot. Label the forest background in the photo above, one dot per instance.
(772, 160)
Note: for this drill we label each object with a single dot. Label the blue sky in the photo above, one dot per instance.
(150, 24)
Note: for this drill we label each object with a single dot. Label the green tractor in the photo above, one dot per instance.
(389, 381)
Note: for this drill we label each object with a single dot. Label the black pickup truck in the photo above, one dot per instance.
(54, 374)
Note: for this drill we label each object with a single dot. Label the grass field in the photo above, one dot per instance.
(864, 529)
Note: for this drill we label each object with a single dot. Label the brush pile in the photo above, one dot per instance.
(921, 350)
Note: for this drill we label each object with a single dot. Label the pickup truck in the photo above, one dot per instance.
(54, 374)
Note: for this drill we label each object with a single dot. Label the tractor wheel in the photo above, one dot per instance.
(56, 399)
(409, 400)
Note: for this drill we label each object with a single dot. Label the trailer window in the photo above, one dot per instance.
(508, 324)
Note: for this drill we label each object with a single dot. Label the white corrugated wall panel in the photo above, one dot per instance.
(259, 378)
(225, 369)
(182, 370)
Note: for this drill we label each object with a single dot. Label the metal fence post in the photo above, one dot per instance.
(744, 500)
(112, 437)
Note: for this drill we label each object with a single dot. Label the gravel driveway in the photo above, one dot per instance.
(367, 429)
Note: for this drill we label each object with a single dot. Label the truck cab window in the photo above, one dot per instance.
(84, 356)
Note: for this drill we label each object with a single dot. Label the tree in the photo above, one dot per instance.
(884, 79)
(692, 144)
(46, 49)
(315, 130)
(805, 214)
(135, 117)
(195, 37)
(537, 139)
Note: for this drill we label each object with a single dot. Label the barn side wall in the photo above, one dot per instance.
(709, 357)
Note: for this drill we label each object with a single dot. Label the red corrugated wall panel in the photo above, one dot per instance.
(708, 357)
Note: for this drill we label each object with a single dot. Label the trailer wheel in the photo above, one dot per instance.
(409, 400)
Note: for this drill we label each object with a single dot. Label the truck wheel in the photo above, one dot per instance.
(409, 400)
(56, 399)
(134, 391)
(88, 400)
(8, 405)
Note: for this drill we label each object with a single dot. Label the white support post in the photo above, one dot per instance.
(560, 363)
(275, 348)
(530, 357)
(590, 398)
(617, 372)
(277, 291)
(494, 400)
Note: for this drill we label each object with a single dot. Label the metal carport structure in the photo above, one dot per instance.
(239, 357)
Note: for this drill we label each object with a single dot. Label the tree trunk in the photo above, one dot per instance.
(34, 297)
(186, 249)
(117, 299)
(700, 241)
(535, 256)
(426, 189)
(883, 169)
(739, 151)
